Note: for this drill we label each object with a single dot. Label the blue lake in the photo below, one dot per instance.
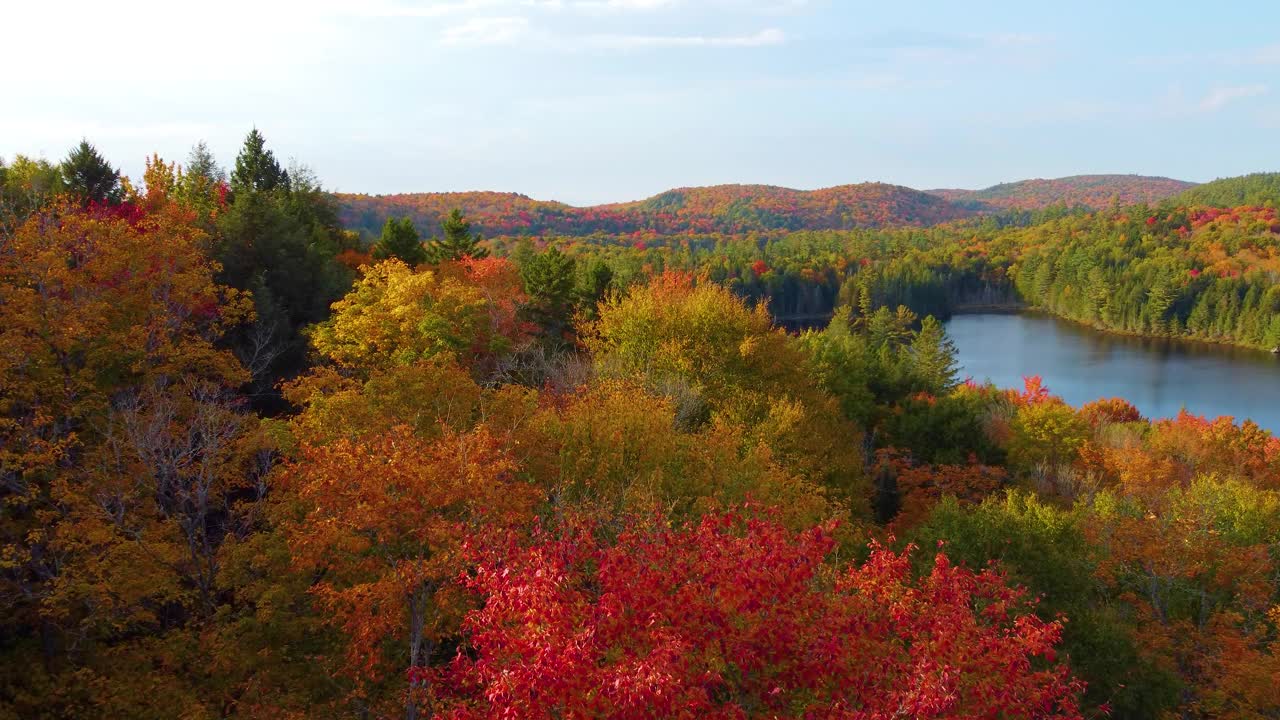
(1079, 364)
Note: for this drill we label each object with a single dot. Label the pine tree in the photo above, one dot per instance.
(400, 240)
(934, 356)
(594, 280)
(90, 177)
(457, 241)
(201, 184)
(256, 167)
(865, 308)
(201, 163)
(549, 283)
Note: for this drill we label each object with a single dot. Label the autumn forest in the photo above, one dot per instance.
(270, 451)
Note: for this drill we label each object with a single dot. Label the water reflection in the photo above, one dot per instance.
(1158, 375)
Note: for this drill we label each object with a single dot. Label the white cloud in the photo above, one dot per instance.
(400, 8)
(770, 36)
(624, 4)
(1220, 97)
(486, 31)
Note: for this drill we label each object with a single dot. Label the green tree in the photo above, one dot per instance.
(549, 282)
(457, 241)
(90, 177)
(281, 247)
(201, 163)
(934, 357)
(256, 167)
(25, 185)
(400, 240)
(200, 184)
(842, 365)
(595, 277)
(1045, 549)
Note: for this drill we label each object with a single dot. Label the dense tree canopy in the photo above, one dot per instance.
(251, 466)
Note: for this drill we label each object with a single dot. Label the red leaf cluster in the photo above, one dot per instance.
(738, 618)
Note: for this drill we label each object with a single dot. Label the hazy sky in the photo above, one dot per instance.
(604, 100)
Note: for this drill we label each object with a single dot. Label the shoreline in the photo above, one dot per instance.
(1203, 343)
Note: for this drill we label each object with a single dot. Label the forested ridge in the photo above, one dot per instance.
(1091, 191)
(751, 208)
(720, 208)
(255, 465)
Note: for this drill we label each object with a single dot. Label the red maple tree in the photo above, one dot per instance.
(739, 618)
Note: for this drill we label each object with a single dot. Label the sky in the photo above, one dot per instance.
(591, 101)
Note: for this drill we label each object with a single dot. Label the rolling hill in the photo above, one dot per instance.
(735, 209)
(716, 209)
(1092, 191)
(1255, 189)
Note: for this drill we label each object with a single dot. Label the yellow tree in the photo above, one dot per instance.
(118, 442)
(397, 316)
(618, 447)
(725, 363)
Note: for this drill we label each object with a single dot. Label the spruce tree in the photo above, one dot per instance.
(595, 278)
(865, 308)
(90, 177)
(934, 356)
(549, 283)
(400, 240)
(200, 162)
(256, 167)
(457, 241)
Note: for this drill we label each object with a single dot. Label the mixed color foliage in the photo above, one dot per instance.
(253, 466)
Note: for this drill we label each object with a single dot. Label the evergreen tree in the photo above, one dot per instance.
(865, 307)
(457, 241)
(256, 167)
(594, 280)
(523, 252)
(934, 356)
(90, 177)
(549, 283)
(201, 184)
(281, 247)
(400, 240)
(201, 163)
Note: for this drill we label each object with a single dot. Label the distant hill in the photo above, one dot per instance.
(716, 209)
(1255, 189)
(1093, 191)
(733, 209)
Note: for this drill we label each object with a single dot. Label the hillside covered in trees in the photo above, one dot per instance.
(254, 466)
(1254, 189)
(1091, 191)
(720, 209)
(735, 209)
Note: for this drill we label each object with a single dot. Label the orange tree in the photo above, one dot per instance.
(123, 457)
(396, 457)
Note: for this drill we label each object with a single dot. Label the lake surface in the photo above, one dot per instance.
(1159, 376)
